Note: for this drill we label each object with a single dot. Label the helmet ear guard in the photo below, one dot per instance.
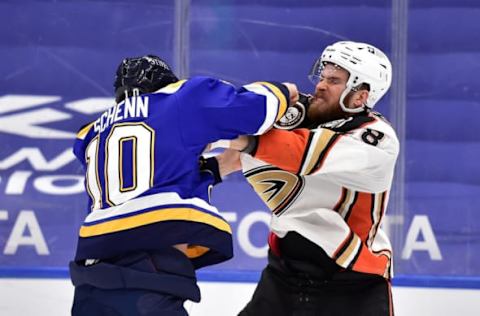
(145, 74)
(365, 63)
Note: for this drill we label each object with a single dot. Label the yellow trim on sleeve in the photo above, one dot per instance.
(179, 83)
(84, 131)
(154, 216)
(282, 100)
(173, 87)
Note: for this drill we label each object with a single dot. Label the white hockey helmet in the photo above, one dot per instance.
(365, 64)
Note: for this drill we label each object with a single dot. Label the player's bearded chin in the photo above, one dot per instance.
(319, 112)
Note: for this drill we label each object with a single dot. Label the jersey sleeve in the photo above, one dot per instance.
(211, 109)
(283, 149)
(80, 144)
(358, 160)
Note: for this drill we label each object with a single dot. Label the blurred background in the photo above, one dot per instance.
(58, 60)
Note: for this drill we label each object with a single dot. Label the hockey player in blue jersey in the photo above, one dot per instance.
(150, 223)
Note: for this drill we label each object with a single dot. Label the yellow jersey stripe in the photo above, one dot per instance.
(154, 216)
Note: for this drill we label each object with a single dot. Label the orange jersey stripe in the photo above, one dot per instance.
(370, 263)
(360, 217)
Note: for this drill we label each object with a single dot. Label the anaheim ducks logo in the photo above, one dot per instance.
(276, 187)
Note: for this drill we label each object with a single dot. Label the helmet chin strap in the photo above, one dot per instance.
(344, 107)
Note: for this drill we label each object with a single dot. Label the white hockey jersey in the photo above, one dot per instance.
(331, 185)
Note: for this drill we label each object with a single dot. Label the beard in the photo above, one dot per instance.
(322, 110)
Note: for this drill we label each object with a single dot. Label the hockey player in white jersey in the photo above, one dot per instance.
(327, 183)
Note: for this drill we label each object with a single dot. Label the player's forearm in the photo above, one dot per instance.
(228, 162)
(239, 143)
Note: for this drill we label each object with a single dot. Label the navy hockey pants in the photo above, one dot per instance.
(143, 284)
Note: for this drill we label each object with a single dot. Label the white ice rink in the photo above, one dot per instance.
(52, 297)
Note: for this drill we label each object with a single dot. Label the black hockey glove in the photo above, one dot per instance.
(210, 165)
(296, 115)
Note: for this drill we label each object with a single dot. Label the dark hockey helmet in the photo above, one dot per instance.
(147, 74)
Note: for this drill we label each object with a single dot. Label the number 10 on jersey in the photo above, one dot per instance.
(127, 164)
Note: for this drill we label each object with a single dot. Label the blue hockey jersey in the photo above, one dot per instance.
(142, 171)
